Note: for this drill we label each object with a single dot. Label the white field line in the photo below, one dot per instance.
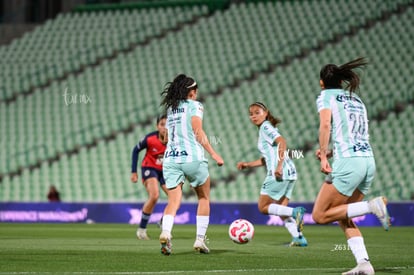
(250, 271)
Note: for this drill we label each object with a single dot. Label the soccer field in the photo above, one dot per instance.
(113, 249)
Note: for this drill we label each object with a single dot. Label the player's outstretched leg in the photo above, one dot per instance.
(378, 207)
(165, 241)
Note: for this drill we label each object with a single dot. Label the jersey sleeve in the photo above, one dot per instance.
(270, 132)
(197, 109)
(322, 102)
(135, 153)
(142, 144)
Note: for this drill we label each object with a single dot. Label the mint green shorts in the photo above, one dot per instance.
(277, 189)
(348, 174)
(195, 172)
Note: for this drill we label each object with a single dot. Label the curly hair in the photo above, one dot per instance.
(177, 91)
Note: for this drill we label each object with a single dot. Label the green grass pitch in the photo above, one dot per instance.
(113, 249)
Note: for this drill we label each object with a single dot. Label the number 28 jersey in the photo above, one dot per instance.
(349, 123)
(182, 146)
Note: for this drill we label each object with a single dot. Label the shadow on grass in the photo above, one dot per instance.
(212, 252)
(389, 270)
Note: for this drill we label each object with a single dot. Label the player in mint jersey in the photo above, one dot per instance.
(281, 173)
(184, 158)
(343, 119)
(151, 171)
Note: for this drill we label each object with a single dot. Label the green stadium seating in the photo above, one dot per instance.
(73, 40)
(217, 50)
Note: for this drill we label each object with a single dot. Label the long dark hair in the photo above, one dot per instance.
(273, 120)
(177, 91)
(161, 117)
(333, 75)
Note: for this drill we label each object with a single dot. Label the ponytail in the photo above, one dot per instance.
(273, 120)
(333, 75)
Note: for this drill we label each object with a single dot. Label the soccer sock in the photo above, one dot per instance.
(358, 249)
(357, 209)
(144, 220)
(291, 226)
(202, 225)
(280, 210)
(167, 223)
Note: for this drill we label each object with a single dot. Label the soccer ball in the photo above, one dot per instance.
(241, 231)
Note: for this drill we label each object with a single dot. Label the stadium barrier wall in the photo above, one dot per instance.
(402, 214)
(212, 5)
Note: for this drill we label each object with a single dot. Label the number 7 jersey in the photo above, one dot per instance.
(182, 146)
(349, 123)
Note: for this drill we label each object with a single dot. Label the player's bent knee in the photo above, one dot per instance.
(319, 218)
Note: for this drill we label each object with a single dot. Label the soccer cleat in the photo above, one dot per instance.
(298, 213)
(142, 234)
(200, 245)
(165, 241)
(378, 207)
(361, 269)
(299, 241)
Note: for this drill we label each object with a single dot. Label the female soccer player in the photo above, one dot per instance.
(151, 171)
(281, 173)
(342, 113)
(184, 158)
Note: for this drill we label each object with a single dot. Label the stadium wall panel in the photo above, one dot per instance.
(402, 214)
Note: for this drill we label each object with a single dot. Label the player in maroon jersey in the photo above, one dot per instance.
(151, 171)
